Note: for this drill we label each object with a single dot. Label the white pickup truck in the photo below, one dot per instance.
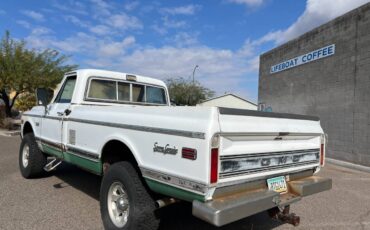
(229, 163)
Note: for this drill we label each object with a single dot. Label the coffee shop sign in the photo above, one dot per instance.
(303, 59)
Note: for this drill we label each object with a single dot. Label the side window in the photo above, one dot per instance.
(66, 92)
(123, 91)
(155, 95)
(138, 93)
(102, 89)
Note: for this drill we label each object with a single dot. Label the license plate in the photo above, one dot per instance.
(277, 184)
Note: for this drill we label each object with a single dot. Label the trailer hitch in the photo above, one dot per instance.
(284, 215)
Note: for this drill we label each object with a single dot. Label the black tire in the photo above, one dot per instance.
(36, 159)
(141, 204)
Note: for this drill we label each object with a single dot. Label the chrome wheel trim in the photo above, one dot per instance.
(25, 155)
(118, 204)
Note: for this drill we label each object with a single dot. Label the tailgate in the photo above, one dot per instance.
(257, 144)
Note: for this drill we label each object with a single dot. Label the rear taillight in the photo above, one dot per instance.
(322, 150)
(214, 165)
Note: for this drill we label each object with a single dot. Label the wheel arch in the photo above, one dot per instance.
(115, 150)
(27, 128)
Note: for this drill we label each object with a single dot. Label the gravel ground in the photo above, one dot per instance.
(68, 199)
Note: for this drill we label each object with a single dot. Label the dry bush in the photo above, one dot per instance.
(7, 123)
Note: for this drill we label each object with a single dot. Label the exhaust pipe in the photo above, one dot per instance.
(165, 202)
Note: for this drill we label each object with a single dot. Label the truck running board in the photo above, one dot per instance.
(51, 166)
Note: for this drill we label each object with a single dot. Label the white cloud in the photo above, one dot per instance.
(101, 8)
(100, 29)
(219, 69)
(76, 21)
(115, 49)
(316, 13)
(249, 3)
(184, 39)
(166, 24)
(123, 21)
(159, 29)
(81, 43)
(33, 14)
(170, 23)
(184, 10)
(71, 6)
(131, 5)
(24, 23)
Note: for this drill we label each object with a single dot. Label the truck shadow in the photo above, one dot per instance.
(177, 216)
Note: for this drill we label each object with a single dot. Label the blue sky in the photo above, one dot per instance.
(166, 39)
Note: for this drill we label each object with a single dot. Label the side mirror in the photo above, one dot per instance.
(173, 103)
(44, 96)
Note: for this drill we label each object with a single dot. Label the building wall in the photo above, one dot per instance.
(335, 88)
(229, 101)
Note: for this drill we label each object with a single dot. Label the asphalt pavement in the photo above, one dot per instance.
(68, 198)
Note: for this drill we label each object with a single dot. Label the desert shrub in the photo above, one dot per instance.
(7, 123)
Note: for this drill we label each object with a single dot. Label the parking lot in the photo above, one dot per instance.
(68, 199)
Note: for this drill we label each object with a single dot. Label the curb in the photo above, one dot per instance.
(348, 165)
(10, 133)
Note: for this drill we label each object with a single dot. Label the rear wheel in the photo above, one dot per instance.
(124, 200)
(31, 159)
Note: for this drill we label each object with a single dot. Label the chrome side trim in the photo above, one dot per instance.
(53, 118)
(183, 133)
(32, 115)
(175, 181)
(277, 134)
(49, 143)
(42, 116)
(83, 153)
(72, 150)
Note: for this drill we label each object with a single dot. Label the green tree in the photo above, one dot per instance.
(23, 70)
(184, 92)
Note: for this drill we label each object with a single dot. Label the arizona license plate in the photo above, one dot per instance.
(277, 184)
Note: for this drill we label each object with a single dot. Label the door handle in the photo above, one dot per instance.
(60, 114)
(67, 112)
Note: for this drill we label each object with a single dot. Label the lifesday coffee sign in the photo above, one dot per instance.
(303, 59)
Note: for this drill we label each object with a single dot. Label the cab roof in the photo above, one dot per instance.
(86, 73)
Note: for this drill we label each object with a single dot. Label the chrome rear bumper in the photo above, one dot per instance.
(227, 209)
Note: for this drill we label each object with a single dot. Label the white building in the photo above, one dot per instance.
(230, 101)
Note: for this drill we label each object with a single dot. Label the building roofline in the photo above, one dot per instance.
(341, 17)
(230, 94)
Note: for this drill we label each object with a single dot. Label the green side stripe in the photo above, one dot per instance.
(95, 167)
(173, 191)
(92, 166)
(51, 150)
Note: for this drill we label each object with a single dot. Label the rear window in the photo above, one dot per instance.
(155, 95)
(100, 89)
(121, 92)
(138, 92)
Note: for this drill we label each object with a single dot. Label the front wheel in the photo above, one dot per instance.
(31, 159)
(124, 200)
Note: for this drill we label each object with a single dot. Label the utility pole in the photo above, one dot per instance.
(194, 72)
